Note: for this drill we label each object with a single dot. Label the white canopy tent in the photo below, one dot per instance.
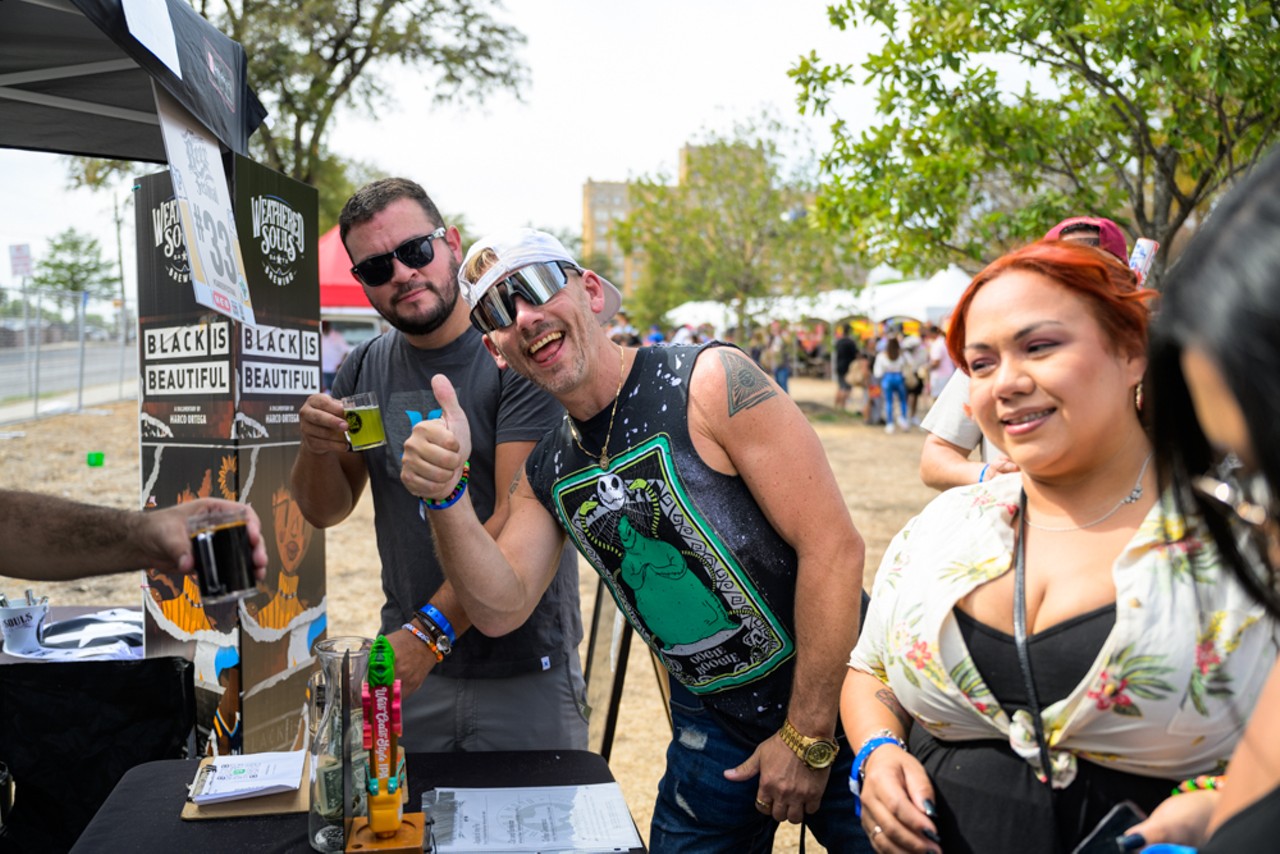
(928, 300)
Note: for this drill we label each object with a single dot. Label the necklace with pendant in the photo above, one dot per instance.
(603, 456)
(1134, 495)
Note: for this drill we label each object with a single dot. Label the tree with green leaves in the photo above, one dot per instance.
(309, 59)
(1141, 110)
(734, 226)
(74, 262)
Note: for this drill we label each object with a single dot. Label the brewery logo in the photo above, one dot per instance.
(166, 231)
(200, 169)
(353, 422)
(221, 77)
(279, 231)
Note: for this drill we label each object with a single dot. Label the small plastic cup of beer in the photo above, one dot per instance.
(223, 554)
(364, 421)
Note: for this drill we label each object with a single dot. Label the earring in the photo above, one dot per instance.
(1137, 396)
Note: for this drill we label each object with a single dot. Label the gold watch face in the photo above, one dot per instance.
(820, 755)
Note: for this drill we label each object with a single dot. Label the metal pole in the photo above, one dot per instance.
(124, 337)
(36, 393)
(26, 333)
(84, 309)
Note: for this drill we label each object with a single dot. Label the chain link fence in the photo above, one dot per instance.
(63, 351)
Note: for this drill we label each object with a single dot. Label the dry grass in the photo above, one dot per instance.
(876, 472)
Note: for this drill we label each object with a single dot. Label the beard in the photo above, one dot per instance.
(436, 317)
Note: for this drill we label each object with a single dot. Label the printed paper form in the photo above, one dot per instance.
(534, 819)
(229, 778)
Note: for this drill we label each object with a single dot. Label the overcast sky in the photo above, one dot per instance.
(615, 89)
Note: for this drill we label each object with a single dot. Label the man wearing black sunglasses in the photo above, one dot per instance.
(525, 690)
(705, 501)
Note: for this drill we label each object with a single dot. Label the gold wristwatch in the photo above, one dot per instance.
(817, 753)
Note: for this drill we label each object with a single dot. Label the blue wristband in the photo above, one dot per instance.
(855, 773)
(432, 613)
(982, 475)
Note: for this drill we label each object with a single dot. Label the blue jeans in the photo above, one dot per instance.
(781, 376)
(893, 385)
(698, 811)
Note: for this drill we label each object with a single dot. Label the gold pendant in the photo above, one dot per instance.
(604, 461)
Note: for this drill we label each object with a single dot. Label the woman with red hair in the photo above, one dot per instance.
(1045, 644)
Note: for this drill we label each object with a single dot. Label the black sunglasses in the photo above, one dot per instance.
(536, 284)
(417, 253)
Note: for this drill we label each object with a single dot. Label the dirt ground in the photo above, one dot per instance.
(876, 473)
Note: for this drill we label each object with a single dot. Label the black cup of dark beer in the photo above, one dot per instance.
(223, 554)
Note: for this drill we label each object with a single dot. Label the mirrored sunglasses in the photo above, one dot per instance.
(536, 284)
(415, 253)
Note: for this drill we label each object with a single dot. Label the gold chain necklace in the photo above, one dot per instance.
(1134, 495)
(604, 450)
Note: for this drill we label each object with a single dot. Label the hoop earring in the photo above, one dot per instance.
(1137, 396)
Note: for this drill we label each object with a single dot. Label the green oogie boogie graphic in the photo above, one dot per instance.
(692, 603)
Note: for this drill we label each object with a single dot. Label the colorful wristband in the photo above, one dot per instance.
(869, 746)
(1203, 783)
(453, 497)
(425, 638)
(982, 475)
(432, 614)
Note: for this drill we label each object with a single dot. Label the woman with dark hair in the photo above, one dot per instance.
(1215, 380)
(1048, 643)
(890, 369)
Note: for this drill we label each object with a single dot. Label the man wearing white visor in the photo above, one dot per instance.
(523, 691)
(705, 501)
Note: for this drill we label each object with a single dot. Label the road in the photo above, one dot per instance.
(59, 367)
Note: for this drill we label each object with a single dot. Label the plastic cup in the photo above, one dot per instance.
(364, 421)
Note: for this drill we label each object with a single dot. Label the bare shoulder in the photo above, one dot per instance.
(727, 378)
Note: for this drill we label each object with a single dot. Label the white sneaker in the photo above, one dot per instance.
(904, 425)
(888, 427)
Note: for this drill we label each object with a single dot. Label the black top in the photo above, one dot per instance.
(1061, 656)
(988, 797)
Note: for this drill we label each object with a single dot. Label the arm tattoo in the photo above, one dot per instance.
(890, 702)
(515, 482)
(747, 385)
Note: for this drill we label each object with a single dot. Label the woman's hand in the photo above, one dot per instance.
(1181, 819)
(897, 803)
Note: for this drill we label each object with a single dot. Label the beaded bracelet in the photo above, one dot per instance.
(453, 497)
(1204, 782)
(425, 638)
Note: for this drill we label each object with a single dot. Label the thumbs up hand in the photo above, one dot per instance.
(437, 448)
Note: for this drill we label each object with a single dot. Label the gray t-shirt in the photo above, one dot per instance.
(501, 406)
(946, 419)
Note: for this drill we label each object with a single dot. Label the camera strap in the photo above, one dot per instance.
(1020, 637)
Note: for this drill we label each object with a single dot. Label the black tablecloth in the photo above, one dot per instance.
(142, 813)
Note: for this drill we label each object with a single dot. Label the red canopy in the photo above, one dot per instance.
(338, 288)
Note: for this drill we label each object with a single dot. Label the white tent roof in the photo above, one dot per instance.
(929, 300)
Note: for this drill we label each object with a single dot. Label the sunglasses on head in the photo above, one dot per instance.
(1243, 495)
(416, 253)
(536, 284)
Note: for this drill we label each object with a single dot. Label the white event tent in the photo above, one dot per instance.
(928, 300)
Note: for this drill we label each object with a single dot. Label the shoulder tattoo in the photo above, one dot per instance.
(745, 382)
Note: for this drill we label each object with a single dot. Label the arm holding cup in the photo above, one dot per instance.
(327, 478)
(54, 539)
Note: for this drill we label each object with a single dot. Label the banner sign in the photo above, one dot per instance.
(204, 204)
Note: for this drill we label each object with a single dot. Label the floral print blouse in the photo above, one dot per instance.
(1167, 696)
